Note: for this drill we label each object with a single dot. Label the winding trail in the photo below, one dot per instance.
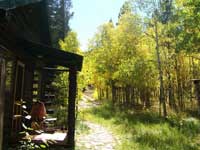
(98, 138)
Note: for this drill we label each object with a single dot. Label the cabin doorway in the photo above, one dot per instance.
(18, 97)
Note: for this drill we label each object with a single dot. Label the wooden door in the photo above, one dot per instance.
(18, 98)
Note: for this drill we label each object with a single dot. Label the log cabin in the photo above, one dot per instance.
(25, 55)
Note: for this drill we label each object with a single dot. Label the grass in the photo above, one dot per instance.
(81, 128)
(146, 130)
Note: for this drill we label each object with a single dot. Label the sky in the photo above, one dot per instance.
(90, 14)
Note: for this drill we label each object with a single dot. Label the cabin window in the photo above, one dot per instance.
(36, 82)
(9, 69)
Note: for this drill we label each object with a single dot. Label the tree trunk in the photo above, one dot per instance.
(127, 91)
(102, 93)
(147, 98)
(197, 90)
(191, 77)
(132, 96)
(63, 5)
(113, 93)
(107, 93)
(178, 84)
(161, 98)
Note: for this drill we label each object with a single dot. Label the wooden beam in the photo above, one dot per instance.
(2, 96)
(56, 69)
(71, 106)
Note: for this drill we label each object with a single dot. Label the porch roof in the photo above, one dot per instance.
(15, 3)
(52, 56)
(22, 42)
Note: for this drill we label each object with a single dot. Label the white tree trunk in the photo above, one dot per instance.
(161, 98)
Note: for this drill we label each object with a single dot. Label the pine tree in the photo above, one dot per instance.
(59, 15)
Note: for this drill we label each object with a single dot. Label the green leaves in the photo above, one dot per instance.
(59, 15)
(187, 25)
(70, 42)
(121, 53)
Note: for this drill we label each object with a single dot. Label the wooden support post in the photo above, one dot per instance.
(2, 96)
(71, 106)
(41, 85)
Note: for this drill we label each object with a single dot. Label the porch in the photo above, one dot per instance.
(25, 63)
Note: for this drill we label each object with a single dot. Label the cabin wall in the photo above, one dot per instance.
(8, 108)
(18, 97)
(7, 112)
(28, 85)
(2, 96)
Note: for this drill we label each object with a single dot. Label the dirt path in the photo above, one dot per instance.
(98, 138)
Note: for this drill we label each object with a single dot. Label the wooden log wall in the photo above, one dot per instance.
(9, 90)
(2, 96)
(28, 85)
